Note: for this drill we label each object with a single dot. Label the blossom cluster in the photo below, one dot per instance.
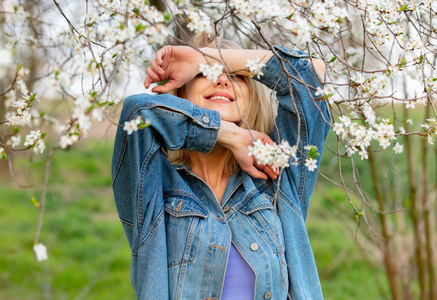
(199, 22)
(280, 155)
(211, 72)
(359, 137)
(40, 252)
(135, 125)
(255, 67)
(275, 156)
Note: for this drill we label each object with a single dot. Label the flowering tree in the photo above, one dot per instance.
(380, 57)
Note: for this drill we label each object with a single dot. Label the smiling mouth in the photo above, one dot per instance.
(220, 98)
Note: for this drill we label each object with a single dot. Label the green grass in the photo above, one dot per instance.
(89, 257)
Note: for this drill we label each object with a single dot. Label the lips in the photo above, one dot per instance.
(220, 97)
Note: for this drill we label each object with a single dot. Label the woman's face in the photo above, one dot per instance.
(225, 96)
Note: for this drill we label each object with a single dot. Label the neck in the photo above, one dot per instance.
(210, 166)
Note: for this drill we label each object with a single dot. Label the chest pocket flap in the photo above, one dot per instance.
(259, 202)
(183, 206)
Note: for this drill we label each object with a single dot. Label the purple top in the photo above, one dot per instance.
(239, 281)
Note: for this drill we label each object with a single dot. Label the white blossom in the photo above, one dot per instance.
(211, 72)
(40, 252)
(255, 66)
(275, 156)
(68, 140)
(131, 126)
(398, 148)
(199, 22)
(15, 141)
(311, 164)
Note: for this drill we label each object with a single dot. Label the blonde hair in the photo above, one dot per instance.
(258, 115)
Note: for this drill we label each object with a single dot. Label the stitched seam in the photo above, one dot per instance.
(204, 264)
(141, 185)
(185, 214)
(126, 223)
(252, 194)
(186, 257)
(262, 235)
(152, 230)
(292, 204)
(304, 139)
(168, 194)
(120, 158)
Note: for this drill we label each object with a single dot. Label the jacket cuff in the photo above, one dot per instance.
(203, 121)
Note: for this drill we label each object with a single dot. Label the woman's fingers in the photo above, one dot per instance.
(254, 172)
(152, 77)
(156, 68)
(161, 53)
(273, 174)
(171, 85)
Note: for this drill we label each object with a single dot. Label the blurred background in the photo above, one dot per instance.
(372, 222)
(89, 257)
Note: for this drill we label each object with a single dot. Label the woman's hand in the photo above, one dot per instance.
(179, 64)
(237, 140)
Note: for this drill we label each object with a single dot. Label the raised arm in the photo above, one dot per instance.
(180, 64)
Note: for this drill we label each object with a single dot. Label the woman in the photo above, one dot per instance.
(200, 221)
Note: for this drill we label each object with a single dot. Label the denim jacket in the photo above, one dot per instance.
(179, 234)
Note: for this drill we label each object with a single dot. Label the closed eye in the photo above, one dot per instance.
(199, 75)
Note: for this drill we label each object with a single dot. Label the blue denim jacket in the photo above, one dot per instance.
(178, 232)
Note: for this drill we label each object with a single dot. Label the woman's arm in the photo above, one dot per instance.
(180, 64)
(302, 119)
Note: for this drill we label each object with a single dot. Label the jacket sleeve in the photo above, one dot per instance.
(137, 161)
(302, 118)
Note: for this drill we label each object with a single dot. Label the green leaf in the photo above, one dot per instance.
(140, 27)
(142, 125)
(35, 202)
(19, 66)
(404, 7)
(43, 135)
(163, 82)
(16, 129)
(32, 97)
(333, 59)
(358, 215)
(402, 63)
(167, 17)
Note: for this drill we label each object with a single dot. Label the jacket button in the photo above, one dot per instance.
(267, 295)
(205, 119)
(254, 247)
(226, 208)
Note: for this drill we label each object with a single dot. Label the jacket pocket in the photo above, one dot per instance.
(184, 225)
(264, 219)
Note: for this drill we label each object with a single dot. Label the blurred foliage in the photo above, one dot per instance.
(89, 257)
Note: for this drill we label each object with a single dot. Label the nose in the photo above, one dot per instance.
(222, 80)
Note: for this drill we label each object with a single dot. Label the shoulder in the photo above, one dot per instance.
(319, 66)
